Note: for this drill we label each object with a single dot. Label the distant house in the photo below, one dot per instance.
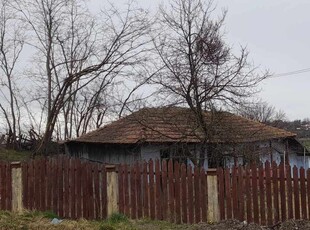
(173, 133)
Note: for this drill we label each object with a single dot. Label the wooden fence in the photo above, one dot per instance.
(6, 186)
(71, 188)
(163, 191)
(265, 194)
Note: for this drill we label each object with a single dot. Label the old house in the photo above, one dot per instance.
(173, 133)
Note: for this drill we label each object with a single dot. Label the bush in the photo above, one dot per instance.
(116, 218)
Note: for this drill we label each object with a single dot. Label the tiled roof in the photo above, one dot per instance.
(175, 124)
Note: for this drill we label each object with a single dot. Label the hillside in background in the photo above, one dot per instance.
(300, 127)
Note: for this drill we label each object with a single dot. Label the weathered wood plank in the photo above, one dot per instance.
(133, 192)
(303, 194)
(203, 195)
(197, 194)
(152, 192)
(184, 193)
(235, 192)
(164, 190)
(139, 190)
(241, 193)
(221, 197)
(283, 191)
(146, 211)
(158, 191)
(248, 193)
(275, 186)
(255, 193)
(261, 174)
(171, 191)
(296, 193)
(228, 193)
(268, 194)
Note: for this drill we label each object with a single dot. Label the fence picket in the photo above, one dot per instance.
(184, 193)
(126, 190)
(203, 195)
(91, 192)
(37, 168)
(262, 195)
(296, 193)
(79, 189)
(308, 191)
(275, 192)
(171, 190)
(104, 192)
(220, 178)
(97, 192)
(139, 190)
(43, 184)
(248, 193)
(177, 192)
(158, 191)
(25, 183)
(152, 193)
(303, 194)
(268, 194)
(49, 195)
(235, 192)
(197, 194)
(164, 190)
(9, 186)
(121, 188)
(228, 193)
(190, 195)
(133, 192)
(240, 193)
(283, 193)
(255, 193)
(72, 185)
(289, 192)
(146, 212)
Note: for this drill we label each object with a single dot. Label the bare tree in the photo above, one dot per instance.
(260, 111)
(11, 45)
(77, 51)
(198, 69)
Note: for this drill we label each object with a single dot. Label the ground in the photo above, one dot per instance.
(42, 220)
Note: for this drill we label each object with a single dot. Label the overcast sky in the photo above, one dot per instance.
(278, 37)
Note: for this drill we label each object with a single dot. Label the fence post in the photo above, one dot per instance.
(17, 188)
(213, 205)
(112, 190)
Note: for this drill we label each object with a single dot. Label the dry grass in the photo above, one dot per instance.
(39, 220)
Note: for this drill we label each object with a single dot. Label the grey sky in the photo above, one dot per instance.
(277, 36)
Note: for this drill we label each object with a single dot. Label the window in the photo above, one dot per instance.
(176, 153)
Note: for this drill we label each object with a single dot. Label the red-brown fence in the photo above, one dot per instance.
(71, 188)
(265, 194)
(164, 191)
(6, 186)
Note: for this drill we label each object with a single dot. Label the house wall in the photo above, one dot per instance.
(299, 161)
(152, 151)
(111, 154)
(277, 149)
(116, 154)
